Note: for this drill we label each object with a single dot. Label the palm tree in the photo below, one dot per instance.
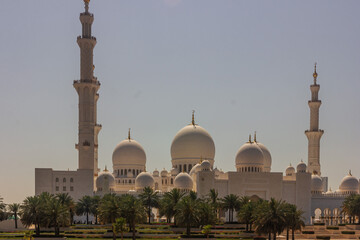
(66, 200)
(57, 215)
(186, 214)
(149, 199)
(14, 209)
(293, 219)
(213, 199)
(230, 202)
(31, 212)
(84, 206)
(119, 227)
(246, 213)
(95, 207)
(205, 213)
(270, 217)
(109, 208)
(193, 195)
(133, 211)
(2, 209)
(169, 202)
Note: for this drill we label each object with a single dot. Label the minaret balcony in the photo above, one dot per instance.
(92, 38)
(93, 81)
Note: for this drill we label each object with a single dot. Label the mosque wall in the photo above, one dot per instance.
(289, 191)
(76, 183)
(303, 193)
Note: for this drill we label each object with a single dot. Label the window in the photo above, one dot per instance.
(71, 189)
(64, 188)
(122, 172)
(56, 179)
(133, 172)
(180, 168)
(184, 167)
(125, 171)
(172, 181)
(71, 180)
(130, 181)
(190, 166)
(64, 179)
(57, 188)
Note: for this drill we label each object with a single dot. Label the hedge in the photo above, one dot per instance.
(322, 237)
(348, 232)
(307, 232)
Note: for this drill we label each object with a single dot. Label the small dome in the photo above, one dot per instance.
(301, 167)
(192, 142)
(196, 168)
(290, 170)
(129, 152)
(250, 155)
(349, 184)
(143, 180)
(183, 181)
(155, 173)
(174, 171)
(316, 183)
(205, 165)
(267, 157)
(105, 182)
(164, 173)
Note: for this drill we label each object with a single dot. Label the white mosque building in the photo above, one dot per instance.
(192, 158)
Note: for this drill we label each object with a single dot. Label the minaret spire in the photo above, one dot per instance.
(314, 133)
(87, 87)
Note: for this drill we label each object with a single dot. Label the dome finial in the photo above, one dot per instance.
(315, 73)
(350, 172)
(193, 118)
(255, 136)
(201, 159)
(129, 134)
(249, 139)
(105, 170)
(86, 5)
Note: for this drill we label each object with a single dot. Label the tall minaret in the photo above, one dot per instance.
(314, 133)
(87, 88)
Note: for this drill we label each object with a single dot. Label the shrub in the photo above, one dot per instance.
(322, 237)
(332, 227)
(342, 224)
(259, 238)
(348, 232)
(196, 236)
(307, 232)
(319, 224)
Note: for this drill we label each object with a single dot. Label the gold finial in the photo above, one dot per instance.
(201, 159)
(105, 170)
(315, 75)
(350, 172)
(86, 5)
(249, 139)
(193, 118)
(129, 134)
(86, 1)
(255, 136)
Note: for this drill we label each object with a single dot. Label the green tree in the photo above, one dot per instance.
(293, 219)
(186, 213)
(84, 207)
(109, 208)
(270, 217)
(169, 203)
(351, 206)
(193, 195)
(246, 213)
(133, 211)
(95, 207)
(2, 209)
(230, 202)
(31, 212)
(67, 201)
(56, 214)
(213, 199)
(205, 213)
(14, 209)
(149, 199)
(119, 227)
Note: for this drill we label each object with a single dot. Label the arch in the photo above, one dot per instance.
(64, 179)
(317, 214)
(71, 180)
(156, 186)
(254, 198)
(56, 179)
(184, 167)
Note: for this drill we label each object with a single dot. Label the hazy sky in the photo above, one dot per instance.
(243, 66)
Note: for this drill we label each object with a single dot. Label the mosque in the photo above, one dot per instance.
(192, 158)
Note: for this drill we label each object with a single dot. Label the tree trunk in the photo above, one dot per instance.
(188, 229)
(37, 229)
(274, 235)
(15, 220)
(122, 235)
(292, 234)
(96, 219)
(287, 233)
(87, 218)
(114, 234)
(247, 227)
(269, 236)
(149, 213)
(133, 228)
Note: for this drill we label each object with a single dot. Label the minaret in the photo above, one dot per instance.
(314, 133)
(87, 88)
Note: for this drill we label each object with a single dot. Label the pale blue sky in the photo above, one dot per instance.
(242, 65)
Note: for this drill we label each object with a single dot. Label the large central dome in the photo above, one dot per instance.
(190, 145)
